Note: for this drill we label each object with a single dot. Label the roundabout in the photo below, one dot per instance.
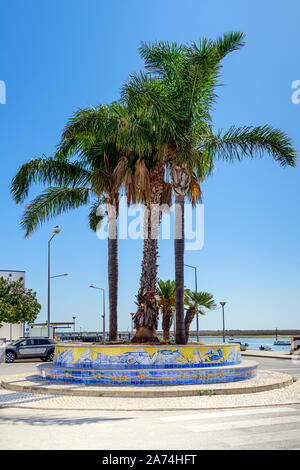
(147, 365)
(264, 381)
(203, 376)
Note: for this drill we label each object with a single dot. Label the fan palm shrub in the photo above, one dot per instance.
(166, 302)
(197, 303)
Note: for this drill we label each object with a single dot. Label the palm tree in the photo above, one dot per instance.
(146, 98)
(146, 185)
(98, 147)
(140, 173)
(197, 303)
(166, 301)
(190, 76)
(146, 105)
(137, 172)
(89, 179)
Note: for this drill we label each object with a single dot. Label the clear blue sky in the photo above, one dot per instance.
(59, 55)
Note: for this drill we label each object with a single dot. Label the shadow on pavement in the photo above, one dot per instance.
(54, 420)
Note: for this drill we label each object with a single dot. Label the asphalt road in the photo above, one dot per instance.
(239, 429)
(281, 365)
(252, 428)
(19, 367)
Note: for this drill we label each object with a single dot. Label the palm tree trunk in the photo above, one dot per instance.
(148, 278)
(179, 268)
(189, 316)
(113, 288)
(166, 324)
(113, 273)
(181, 180)
(146, 318)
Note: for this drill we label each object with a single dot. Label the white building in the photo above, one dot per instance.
(11, 331)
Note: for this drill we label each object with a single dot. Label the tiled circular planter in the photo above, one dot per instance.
(146, 365)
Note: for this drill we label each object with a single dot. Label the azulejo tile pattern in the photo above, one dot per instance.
(154, 357)
(149, 365)
(147, 376)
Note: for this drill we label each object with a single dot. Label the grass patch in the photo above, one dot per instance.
(209, 393)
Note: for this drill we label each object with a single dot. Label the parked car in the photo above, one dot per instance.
(24, 348)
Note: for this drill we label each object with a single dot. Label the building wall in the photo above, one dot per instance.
(11, 332)
(40, 331)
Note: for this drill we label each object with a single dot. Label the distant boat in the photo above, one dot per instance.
(265, 348)
(282, 342)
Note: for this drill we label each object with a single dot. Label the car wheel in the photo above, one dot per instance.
(10, 357)
(44, 359)
(50, 356)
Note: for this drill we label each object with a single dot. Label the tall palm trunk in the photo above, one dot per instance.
(113, 271)
(166, 324)
(146, 317)
(189, 316)
(148, 278)
(179, 268)
(181, 180)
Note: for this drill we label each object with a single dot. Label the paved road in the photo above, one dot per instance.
(252, 428)
(281, 365)
(19, 367)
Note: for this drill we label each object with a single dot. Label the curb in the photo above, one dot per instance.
(44, 389)
(151, 409)
(267, 357)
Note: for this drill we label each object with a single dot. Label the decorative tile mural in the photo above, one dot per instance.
(146, 357)
(147, 365)
(147, 376)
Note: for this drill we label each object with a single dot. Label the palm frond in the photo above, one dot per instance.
(95, 216)
(47, 171)
(200, 300)
(162, 57)
(51, 203)
(89, 122)
(237, 143)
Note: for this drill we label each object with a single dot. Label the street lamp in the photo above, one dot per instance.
(196, 290)
(56, 230)
(103, 316)
(74, 318)
(223, 305)
(174, 322)
(132, 322)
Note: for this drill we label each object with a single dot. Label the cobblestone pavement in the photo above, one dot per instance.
(287, 395)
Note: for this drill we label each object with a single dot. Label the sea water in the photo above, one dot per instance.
(253, 342)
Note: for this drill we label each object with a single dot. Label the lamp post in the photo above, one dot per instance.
(174, 322)
(196, 290)
(52, 277)
(74, 318)
(223, 305)
(55, 232)
(103, 315)
(103, 321)
(132, 322)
